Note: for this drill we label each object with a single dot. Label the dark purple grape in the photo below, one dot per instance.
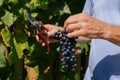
(68, 45)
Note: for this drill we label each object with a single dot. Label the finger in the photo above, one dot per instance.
(75, 18)
(48, 26)
(72, 27)
(70, 20)
(37, 38)
(51, 33)
(43, 44)
(52, 40)
(77, 33)
(73, 34)
(77, 26)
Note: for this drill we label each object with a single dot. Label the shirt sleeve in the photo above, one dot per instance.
(88, 7)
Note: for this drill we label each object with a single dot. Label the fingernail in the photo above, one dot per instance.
(43, 44)
(68, 35)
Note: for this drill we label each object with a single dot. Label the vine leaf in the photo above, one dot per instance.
(85, 46)
(1, 2)
(6, 36)
(20, 43)
(8, 18)
(2, 57)
(14, 1)
(77, 77)
(13, 57)
(17, 42)
(65, 9)
(1, 23)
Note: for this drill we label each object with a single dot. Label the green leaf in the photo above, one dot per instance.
(2, 58)
(8, 18)
(34, 14)
(77, 77)
(6, 36)
(17, 42)
(20, 36)
(14, 1)
(13, 76)
(1, 23)
(8, 40)
(65, 9)
(85, 46)
(20, 42)
(13, 57)
(1, 2)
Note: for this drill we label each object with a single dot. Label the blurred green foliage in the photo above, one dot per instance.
(13, 24)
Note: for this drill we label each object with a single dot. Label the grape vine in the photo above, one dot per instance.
(20, 41)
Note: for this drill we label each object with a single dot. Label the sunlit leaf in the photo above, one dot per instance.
(32, 48)
(32, 1)
(1, 23)
(77, 77)
(20, 43)
(43, 4)
(65, 9)
(34, 14)
(85, 46)
(8, 18)
(14, 1)
(6, 36)
(1, 2)
(2, 58)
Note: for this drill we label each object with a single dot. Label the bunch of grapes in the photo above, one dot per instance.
(68, 46)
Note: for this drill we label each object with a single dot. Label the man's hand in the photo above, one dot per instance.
(51, 30)
(85, 26)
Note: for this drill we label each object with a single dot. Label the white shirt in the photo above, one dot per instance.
(104, 59)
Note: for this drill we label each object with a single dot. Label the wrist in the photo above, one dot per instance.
(107, 32)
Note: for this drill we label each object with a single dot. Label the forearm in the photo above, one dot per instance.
(112, 34)
(83, 40)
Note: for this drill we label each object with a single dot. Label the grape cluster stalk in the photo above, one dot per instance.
(68, 46)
